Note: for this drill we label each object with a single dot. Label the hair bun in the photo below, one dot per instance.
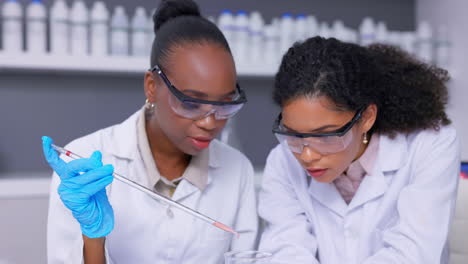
(170, 9)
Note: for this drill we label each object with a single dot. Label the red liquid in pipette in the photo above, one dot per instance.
(226, 228)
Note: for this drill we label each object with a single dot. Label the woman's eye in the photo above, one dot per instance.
(328, 140)
(190, 106)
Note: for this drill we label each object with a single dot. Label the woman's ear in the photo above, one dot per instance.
(368, 117)
(150, 87)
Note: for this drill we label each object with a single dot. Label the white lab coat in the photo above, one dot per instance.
(401, 213)
(147, 231)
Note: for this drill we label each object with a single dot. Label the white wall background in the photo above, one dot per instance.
(24, 204)
(453, 13)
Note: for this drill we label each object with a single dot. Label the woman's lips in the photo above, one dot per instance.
(316, 173)
(200, 143)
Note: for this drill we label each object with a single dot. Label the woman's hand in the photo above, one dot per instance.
(83, 190)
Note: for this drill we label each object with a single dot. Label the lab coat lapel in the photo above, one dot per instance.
(184, 189)
(122, 142)
(372, 187)
(328, 196)
(393, 153)
(391, 156)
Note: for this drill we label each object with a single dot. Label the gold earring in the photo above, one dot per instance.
(365, 140)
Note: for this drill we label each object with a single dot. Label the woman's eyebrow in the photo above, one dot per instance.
(233, 92)
(204, 95)
(195, 93)
(320, 129)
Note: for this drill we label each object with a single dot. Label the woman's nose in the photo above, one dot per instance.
(308, 155)
(208, 122)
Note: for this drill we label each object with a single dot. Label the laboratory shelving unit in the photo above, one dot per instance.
(24, 62)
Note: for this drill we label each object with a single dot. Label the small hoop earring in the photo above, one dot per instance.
(149, 109)
(365, 140)
(149, 106)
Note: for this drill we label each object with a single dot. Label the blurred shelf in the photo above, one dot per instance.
(24, 62)
(25, 184)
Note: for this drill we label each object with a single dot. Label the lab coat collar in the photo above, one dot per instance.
(371, 187)
(326, 193)
(392, 155)
(214, 155)
(184, 189)
(123, 141)
(328, 196)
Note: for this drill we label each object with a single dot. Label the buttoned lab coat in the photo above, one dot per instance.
(147, 231)
(401, 213)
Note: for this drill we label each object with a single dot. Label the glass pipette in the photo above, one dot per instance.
(154, 195)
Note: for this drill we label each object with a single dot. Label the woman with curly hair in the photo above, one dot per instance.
(367, 166)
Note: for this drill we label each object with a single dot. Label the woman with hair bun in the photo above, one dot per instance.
(169, 146)
(367, 166)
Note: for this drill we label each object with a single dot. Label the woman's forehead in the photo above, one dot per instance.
(203, 68)
(310, 113)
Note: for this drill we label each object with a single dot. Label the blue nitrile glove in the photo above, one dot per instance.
(83, 190)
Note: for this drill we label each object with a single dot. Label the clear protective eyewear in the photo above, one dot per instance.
(325, 143)
(196, 109)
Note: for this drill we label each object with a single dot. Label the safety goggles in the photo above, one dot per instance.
(325, 143)
(196, 109)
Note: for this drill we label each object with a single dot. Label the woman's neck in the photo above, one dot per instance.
(170, 161)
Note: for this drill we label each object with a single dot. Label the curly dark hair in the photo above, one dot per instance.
(410, 95)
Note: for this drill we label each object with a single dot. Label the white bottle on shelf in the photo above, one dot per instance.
(241, 38)
(36, 29)
(408, 42)
(226, 25)
(443, 48)
(12, 16)
(276, 23)
(367, 31)
(150, 35)
(79, 22)
(425, 42)
(381, 33)
(312, 26)
(139, 35)
(59, 28)
(119, 32)
(301, 28)
(286, 32)
(324, 30)
(353, 36)
(271, 41)
(256, 25)
(99, 26)
(394, 38)
(339, 31)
